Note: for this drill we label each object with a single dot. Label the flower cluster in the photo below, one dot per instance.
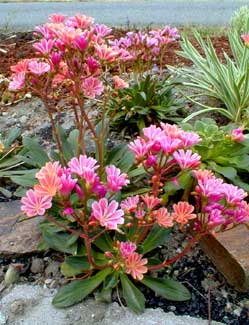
(220, 204)
(142, 50)
(163, 152)
(59, 183)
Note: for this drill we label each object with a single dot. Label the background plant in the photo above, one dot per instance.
(239, 20)
(227, 82)
(221, 151)
(150, 100)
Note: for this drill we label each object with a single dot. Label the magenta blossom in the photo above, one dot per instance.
(115, 180)
(44, 46)
(68, 184)
(237, 135)
(84, 167)
(127, 248)
(107, 215)
(186, 159)
(34, 204)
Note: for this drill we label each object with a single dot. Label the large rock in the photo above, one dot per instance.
(229, 251)
(17, 237)
(31, 305)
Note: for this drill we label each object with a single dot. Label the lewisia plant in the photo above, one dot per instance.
(113, 239)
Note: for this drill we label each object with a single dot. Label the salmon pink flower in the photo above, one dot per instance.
(105, 53)
(49, 169)
(17, 82)
(127, 249)
(119, 83)
(186, 159)
(150, 201)
(44, 46)
(57, 18)
(135, 266)
(202, 175)
(49, 185)
(172, 131)
(183, 212)
(102, 30)
(245, 38)
(39, 68)
(163, 218)
(92, 87)
(107, 215)
(115, 180)
(34, 204)
(21, 66)
(79, 21)
(130, 204)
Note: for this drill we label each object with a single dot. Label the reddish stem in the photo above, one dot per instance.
(191, 243)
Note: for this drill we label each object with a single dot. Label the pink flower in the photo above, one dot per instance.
(57, 18)
(233, 194)
(210, 188)
(237, 134)
(84, 167)
(189, 138)
(169, 144)
(34, 204)
(139, 147)
(21, 66)
(127, 249)
(215, 218)
(67, 184)
(172, 131)
(163, 218)
(68, 211)
(80, 42)
(107, 215)
(92, 87)
(186, 159)
(119, 83)
(183, 212)
(130, 204)
(105, 53)
(150, 201)
(39, 68)
(55, 58)
(44, 46)
(17, 82)
(135, 265)
(102, 30)
(151, 160)
(92, 64)
(203, 175)
(115, 180)
(153, 133)
(245, 38)
(79, 21)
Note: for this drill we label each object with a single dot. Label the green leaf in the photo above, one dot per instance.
(133, 297)
(111, 280)
(36, 152)
(76, 291)
(26, 180)
(156, 237)
(12, 136)
(167, 288)
(74, 265)
(5, 192)
(104, 243)
(62, 242)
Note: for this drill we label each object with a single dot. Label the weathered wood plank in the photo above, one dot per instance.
(229, 251)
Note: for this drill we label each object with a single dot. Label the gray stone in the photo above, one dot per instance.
(3, 319)
(17, 237)
(39, 310)
(37, 265)
(23, 119)
(17, 307)
(52, 269)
